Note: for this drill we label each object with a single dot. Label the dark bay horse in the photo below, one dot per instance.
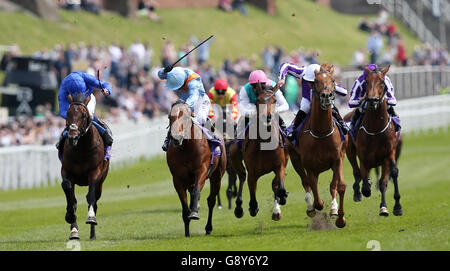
(320, 148)
(83, 163)
(376, 144)
(189, 161)
(262, 154)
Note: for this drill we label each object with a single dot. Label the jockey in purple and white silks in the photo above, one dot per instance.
(306, 73)
(83, 83)
(359, 90)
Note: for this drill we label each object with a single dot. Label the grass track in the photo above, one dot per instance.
(139, 210)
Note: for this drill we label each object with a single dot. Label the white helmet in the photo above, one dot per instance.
(309, 72)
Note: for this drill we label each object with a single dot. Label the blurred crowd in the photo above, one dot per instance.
(385, 46)
(137, 90)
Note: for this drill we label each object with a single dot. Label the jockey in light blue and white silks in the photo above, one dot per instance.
(189, 88)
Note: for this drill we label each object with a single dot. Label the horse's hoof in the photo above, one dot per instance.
(333, 212)
(384, 211)
(276, 217)
(238, 212)
(91, 220)
(194, 216)
(253, 212)
(208, 230)
(398, 211)
(357, 197)
(340, 223)
(311, 213)
(93, 237)
(366, 193)
(74, 234)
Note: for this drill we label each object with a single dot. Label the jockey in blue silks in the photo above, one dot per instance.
(83, 83)
(359, 90)
(188, 86)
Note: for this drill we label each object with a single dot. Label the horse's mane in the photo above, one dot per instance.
(78, 98)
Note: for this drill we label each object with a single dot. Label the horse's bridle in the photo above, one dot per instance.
(325, 99)
(73, 126)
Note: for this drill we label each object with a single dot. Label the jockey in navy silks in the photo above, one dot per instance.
(83, 83)
(359, 90)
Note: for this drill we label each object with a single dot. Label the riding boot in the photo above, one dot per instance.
(355, 117)
(301, 115)
(391, 111)
(165, 146)
(341, 122)
(106, 133)
(60, 143)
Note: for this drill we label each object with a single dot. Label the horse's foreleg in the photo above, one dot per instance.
(313, 183)
(252, 184)
(236, 162)
(366, 187)
(185, 211)
(215, 182)
(382, 184)
(195, 197)
(231, 190)
(341, 186)
(334, 191)
(394, 174)
(71, 208)
(351, 156)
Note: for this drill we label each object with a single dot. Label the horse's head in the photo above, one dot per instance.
(265, 103)
(179, 119)
(324, 85)
(78, 119)
(376, 89)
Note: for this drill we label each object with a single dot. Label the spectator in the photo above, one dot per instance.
(402, 59)
(359, 59)
(168, 53)
(225, 5)
(239, 4)
(147, 8)
(365, 25)
(202, 51)
(374, 46)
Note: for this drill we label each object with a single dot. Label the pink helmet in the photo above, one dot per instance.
(257, 76)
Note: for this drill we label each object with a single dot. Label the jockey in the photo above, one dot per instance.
(248, 98)
(223, 95)
(80, 82)
(359, 90)
(188, 86)
(308, 76)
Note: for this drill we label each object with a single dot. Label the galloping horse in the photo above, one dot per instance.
(83, 163)
(191, 162)
(320, 147)
(376, 144)
(260, 160)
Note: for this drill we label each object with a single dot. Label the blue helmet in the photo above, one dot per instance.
(176, 78)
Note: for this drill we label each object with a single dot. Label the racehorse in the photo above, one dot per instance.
(83, 163)
(320, 147)
(260, 160)
(190, 161)
(376, 144)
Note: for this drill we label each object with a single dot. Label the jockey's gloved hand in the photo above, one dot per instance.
(168, 69)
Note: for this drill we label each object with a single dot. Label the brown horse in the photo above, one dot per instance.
(189, 161)
(320, 147)
(83, 163)
(376, 144)
(262, 154)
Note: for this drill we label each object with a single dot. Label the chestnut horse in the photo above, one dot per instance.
(376, 144)
(189, 161)
(83, 163)
(320, 147)
(261, 155)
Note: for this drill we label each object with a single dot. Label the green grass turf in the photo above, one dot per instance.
(140, 210)
(299, 23)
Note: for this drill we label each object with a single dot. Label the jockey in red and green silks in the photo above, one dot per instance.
(82, 83)
(359, 90)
